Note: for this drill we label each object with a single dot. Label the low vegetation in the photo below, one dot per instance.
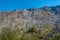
(31, 34)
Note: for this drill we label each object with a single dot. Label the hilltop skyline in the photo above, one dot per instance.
(25, 4)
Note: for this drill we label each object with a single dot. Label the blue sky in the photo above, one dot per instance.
(24, 4)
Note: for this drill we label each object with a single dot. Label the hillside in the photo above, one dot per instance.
(31, 24)
(40, 17)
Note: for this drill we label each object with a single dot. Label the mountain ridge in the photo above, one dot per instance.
(41, 17)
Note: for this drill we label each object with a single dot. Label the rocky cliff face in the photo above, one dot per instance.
(41, 17)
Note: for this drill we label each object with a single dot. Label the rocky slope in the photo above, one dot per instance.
(40, 17)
